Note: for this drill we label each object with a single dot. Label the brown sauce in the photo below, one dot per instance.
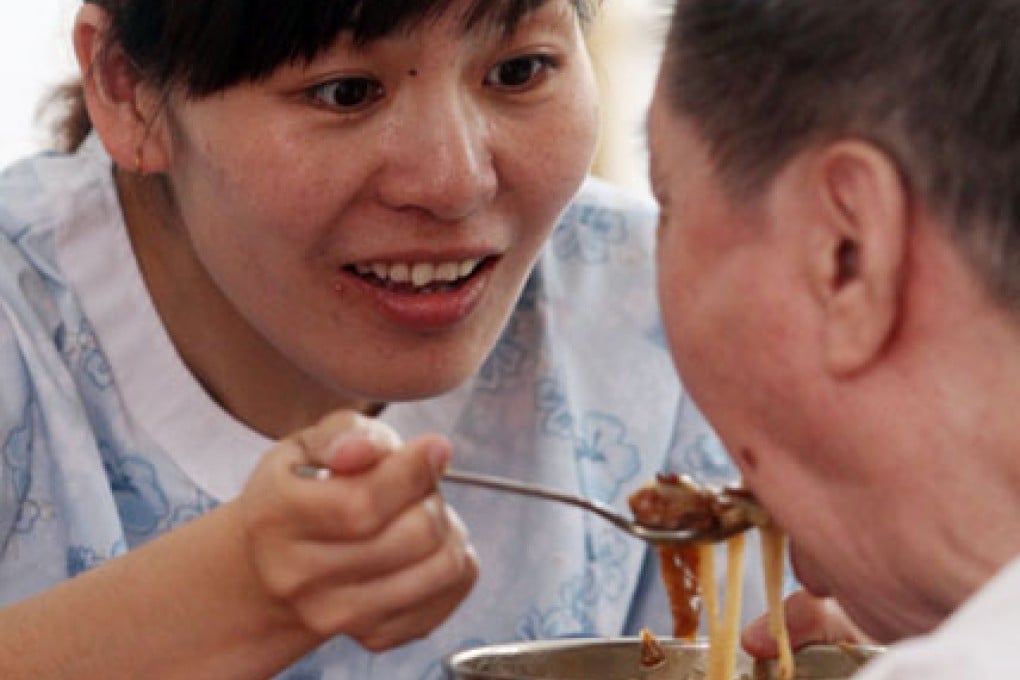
(679, 566)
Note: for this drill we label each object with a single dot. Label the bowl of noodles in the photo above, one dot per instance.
(696, 602)
(624, 659)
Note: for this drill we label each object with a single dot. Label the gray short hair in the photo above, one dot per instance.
(934, 83)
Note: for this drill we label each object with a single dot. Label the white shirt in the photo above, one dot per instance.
(980, 641)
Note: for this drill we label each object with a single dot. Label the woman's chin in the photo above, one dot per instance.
(418, 386)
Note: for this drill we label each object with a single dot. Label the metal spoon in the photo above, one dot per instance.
(736, 523)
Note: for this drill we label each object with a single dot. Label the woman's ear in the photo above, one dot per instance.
(860, 253)
(124, 111)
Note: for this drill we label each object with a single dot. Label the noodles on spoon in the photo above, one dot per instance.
(689, 572)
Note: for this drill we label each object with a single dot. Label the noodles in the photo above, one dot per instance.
(727, 648)
(724, 630)
(689, 575)
(709, 590)
(723, 626)
(773, 549)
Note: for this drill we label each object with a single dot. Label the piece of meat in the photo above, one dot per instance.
(652, 653)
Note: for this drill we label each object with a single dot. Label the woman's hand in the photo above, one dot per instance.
(810, 620)
(372, 553)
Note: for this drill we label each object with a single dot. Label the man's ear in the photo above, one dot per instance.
(124, 111)
(859, 256)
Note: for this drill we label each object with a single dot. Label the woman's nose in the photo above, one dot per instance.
(440, 160)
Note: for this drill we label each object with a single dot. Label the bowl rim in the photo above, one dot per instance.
(454, 663)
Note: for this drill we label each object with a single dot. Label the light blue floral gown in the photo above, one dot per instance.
(108, 440)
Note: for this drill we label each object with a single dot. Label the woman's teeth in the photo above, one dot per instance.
(419, 274)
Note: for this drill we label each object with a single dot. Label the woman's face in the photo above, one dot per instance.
(373, 215)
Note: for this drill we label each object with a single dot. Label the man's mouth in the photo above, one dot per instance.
(418, 277)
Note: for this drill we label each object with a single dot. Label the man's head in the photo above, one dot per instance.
(932, 83)
(838, 251)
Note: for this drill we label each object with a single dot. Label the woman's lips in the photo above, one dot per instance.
(421, 296)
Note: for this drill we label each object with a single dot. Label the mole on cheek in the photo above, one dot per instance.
(749, 458)
(413, 73)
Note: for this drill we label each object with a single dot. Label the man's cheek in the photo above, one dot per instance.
(807, 573)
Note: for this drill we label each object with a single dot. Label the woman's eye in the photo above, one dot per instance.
(519, 73)
(348, 94)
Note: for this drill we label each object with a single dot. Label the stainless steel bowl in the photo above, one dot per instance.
(620, 659)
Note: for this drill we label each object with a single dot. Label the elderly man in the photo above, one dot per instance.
(839, 257)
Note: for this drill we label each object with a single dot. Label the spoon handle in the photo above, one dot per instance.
(537, 491)
(308, 471)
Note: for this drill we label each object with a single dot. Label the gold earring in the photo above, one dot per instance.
(139, 169)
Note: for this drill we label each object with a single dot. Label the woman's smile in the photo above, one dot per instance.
(427, 294)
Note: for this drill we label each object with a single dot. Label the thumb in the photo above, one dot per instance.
(348, 443)
(809, 620)
(758, 641)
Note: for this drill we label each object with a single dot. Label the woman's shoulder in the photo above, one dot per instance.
(43, 191)
(42, 199)
(605, 227)
(601, 196)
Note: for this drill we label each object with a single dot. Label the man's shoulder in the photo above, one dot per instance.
(977, 642)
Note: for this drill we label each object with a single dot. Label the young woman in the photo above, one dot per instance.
(287, 232)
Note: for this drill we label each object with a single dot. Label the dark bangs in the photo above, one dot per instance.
(209, 45)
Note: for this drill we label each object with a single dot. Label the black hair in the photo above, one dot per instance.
(205, 46)
(209, 45)
(934, 83)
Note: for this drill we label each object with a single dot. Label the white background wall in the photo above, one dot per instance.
(35, 56)
(626, 45)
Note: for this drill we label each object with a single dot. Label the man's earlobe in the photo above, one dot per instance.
(864, 208)
(124, 112)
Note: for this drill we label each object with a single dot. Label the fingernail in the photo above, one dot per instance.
(320, 440)
(470, 555)
(436, 509)
(439, 456)
(460, 558)
(756, 630)
(756, 637)
(345, 439)
(385, 437)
